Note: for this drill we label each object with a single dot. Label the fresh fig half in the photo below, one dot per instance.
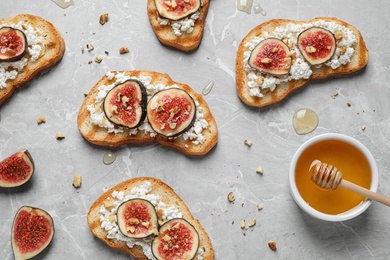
(16, 169)
(137, 218)
(13, 44)
(171, 112)
(32, 232)
(176, 9)
(178, 239)
(317, 45)
(271, 56)
(125, 104)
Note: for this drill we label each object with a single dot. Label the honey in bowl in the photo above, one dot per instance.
(349, 160)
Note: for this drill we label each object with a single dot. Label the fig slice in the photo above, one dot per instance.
(171, 112)
(176, 9)
(16, 169)
(32, 232)
(271, 56)
(178, 239)
(125, 104)
(13, 44)
(317, 45)
(137, 218)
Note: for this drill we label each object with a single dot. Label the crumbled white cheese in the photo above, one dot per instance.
(143, 192)
(300, 69)
(98, 117)
(10, 70)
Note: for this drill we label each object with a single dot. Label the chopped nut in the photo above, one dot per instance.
(115, 109)
(274, 49)
(103, 19)
(123, 50)
(259, 206)
(310, 49)
(133, 221)
(272, 245)
(231, 197)
(60, 136)
(77, 181)
(363, 127)
(145, 224)
(335, 93)
(98, 59)
(125, 99)
(111, 218)
(259, 81)
(89, 47)
(131, 229)
(108, 204)
(266, 60)
(342, 50)
(41, 120)
(166, 238)
(259, 170)
(242, 223)
(338, 35)
(172, 125)
(252, 222)
(248, 143)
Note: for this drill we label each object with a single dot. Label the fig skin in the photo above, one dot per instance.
(271, 57)
(150, 110)
(152, 229)
(161, 238)
(17, 56)
(44, 243)
(172, 13)
(306, 52)
(27, 158)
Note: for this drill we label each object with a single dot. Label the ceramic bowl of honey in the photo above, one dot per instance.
(355, 162)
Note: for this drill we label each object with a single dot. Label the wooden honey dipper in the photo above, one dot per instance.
(329, 177)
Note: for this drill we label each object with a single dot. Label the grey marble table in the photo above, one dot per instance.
(205, 182)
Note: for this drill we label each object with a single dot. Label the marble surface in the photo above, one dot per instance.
(203, 182)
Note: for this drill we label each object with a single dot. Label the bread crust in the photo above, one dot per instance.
(187, 41)
(358, 60)
(169, 197)
(53, 48)
(100, 136)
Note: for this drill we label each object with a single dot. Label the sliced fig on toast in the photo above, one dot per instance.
(176, 9)
(317, 45)
(13, 44)
(137, 218)
(178, 239)
(171, 112)
(125, 104)
(32, 232)
(16, 169)
(271, 56)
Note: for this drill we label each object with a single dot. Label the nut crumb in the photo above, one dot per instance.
(98, 59)
(90, 47)
(363, 127)
(60, 136)
(335, 94)
(82, 50)
(77, 181)
(252, 223)
(123, 50)
(259, 170)
(231, 197)
(259, 206)
(348, 104)
(248, 143)
(90, 62)
(242, 224)
(41, 120)
(103, 19)
(272, 245)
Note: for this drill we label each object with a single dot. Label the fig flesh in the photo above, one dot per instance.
(16, 169)
(125, 104)
(271, 56)
(176, 9)
(171, 112)
(317, 45)
(32, 232)
(178, 239)
(137, 218)
(13, 44)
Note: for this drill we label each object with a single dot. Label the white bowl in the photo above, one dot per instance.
(352, 213)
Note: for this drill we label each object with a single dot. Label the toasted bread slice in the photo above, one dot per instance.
(166, 35)
(357, 61)
(100, 136)
(168, 196)
(52, 44)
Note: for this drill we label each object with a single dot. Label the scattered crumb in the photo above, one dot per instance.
(335, 93)
(231, 197)
(348, 104)
(85, 94)
(363, 127)
(103, 19)
(89, 62)
(123, 50)
(90, 47)
(248, 143)
(242, 224)
(98, 59)
(272, 245)
(82, 50)
(107, 53)
(252, 223)
(77, 181)
(60, 136)
(259, 206)
(41, 120)
(259, 170)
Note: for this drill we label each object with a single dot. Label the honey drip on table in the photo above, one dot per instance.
(305, 121)
(63, 3)
(244, 5)
(108, 158)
